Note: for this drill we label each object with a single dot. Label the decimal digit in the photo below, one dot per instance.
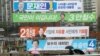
(23, 31)
(91, 44)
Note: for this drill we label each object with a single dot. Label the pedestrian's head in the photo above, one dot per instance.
(35, 43)
(62, 15)
(13, 48)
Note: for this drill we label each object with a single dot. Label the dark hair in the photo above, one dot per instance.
(62, 13)
(13, 48)
(35, 41)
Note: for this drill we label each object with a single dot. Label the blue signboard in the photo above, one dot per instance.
(31, 6)
(83, 44)
(36, 6)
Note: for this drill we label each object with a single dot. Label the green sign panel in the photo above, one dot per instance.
(81, 17)
(36, 17)
(53, 17)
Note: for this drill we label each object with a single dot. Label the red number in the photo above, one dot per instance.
(22, 31)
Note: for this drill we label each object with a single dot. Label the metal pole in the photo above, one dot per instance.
(2, 10)
(6, 12)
